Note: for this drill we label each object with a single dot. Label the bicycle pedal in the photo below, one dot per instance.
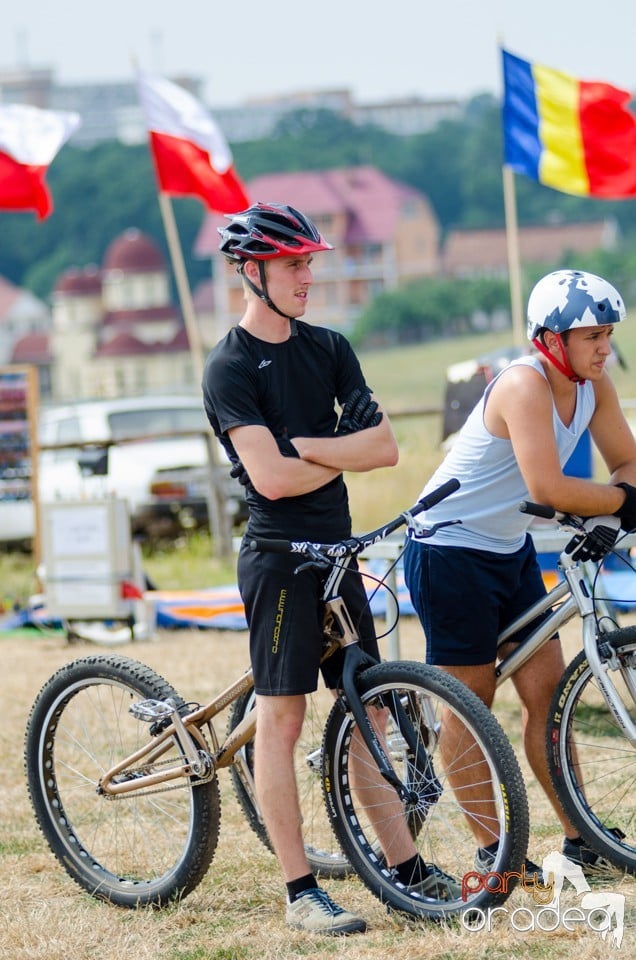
(150, 710)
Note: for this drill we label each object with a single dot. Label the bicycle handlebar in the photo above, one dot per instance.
(537, 510)
(594, 537)
(355, 545)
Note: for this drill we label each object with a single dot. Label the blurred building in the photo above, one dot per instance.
(385, 234)
(25, 323)
(470, 253)
(111, 111)
(115, 328)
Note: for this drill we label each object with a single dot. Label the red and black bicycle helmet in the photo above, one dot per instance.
(268, 230)
(265, 231)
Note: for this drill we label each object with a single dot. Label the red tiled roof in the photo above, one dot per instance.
(368, 199)
(126, 345)
(123, 345)
(79, 282)
(473, 250)
(373, 202)
(141, 314)
(180, 340)
(32, 348)
(134, 252)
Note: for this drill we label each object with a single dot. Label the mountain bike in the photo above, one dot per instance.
(591, 733)
(122, 771)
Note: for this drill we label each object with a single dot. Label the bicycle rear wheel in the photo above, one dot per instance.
(134, 850)
(324, 855)
(592, 765)
(446, 748)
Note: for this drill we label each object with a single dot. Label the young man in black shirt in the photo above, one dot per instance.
(270, 390)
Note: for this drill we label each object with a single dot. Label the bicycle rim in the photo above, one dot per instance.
(438, 816)
(593, 767)
(145, 849)
(323, 852)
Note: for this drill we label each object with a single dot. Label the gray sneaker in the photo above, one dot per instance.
(315, 911)
(437, 885)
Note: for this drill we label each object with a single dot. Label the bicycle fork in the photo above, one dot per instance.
(601, 656)
(355, 660)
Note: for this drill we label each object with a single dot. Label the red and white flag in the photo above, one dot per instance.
(29, 140)
(190, 153)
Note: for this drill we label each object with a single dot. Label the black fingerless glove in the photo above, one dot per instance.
(358, 413)
(238, 472)
(627, 511)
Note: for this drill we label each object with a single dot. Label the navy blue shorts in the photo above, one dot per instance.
(464, 598)
(284, 613)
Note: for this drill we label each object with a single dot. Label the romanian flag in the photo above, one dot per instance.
(573, 135)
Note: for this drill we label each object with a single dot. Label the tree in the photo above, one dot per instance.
(102, 191)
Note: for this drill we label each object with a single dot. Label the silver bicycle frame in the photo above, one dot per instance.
(568, 598)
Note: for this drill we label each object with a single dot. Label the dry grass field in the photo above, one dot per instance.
(237, 911)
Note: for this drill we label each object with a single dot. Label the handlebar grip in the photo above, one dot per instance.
(270, 546)
(435, 496)
(537, 510)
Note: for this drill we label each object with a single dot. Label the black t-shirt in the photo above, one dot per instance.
(290, 388)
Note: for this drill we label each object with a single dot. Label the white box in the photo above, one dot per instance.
(87, 554)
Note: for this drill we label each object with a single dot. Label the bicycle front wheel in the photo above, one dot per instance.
(458, 770)
(592, 764)
(137, 849)
(324, 855)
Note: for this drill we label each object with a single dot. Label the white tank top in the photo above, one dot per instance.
(491, 482)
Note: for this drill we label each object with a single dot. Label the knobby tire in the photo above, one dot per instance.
(438, 816)
(592, 765)
(144, 849)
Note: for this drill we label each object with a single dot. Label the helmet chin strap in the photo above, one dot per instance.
(562, 365)
(262, 293)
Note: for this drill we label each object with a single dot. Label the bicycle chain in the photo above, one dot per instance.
(132, 774)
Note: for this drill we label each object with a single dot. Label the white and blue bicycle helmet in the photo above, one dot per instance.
(568, 299)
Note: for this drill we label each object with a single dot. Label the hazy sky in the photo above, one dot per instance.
(378, 50)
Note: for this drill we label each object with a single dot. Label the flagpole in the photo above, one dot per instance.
(183, 287)
(514, 259)
(219, 522)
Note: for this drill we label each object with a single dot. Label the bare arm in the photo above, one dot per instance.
(273, 475)
(522, 410)
(612, 434)
(356, 452)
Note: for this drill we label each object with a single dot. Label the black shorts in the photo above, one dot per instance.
(464, 598)
(284, 612)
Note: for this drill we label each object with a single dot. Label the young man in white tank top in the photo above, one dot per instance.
(469, 581)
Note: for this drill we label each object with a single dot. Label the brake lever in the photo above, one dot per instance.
(597, 537)
(425, 532)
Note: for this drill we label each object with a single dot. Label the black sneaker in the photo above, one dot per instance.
(485, 861)
(437, 885)
(578, 852)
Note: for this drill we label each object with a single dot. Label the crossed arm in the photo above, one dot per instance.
(319, 460)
